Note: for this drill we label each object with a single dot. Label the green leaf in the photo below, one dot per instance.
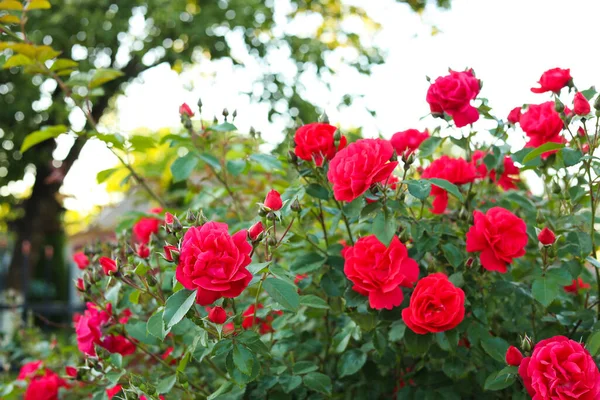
(211, 160)
(307, 262)
(38, 5)
(283, 293)
(453, 254)
(243, 359)
(496, 347)
(447, 186)
(447, 340)
(102, 176)
(542, 149)
(545, 290)
(593, 261)
(224, 127)
(318, 382)
(236, 167)
(304, 367)
(63, 63)
(255, 268)
(267, 161)
(318, 191)
(310, 300)
(114, 376)
(592, 344)
(166, 384)
(351, 362)
(501, 379)
(397, 330)
(384, 228)
(138, 331)
(581, 241)
(353, 208)
(417, 344)
(419, 189)
(182, 168)
(47, 132)
(429, 146)
(18, 60)
(289, 382)
(156, 325)
(457, 279)
(177, 306)
(104, 75)
(571, 156)
(223, 389)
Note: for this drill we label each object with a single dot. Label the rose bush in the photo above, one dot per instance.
(440, 264)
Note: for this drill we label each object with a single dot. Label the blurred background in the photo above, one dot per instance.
(364, 63)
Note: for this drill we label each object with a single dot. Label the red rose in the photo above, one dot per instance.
(45, 387)
(109, 266)
(560, 368)
(363, 163)
(146, 226)
(29, 370)
(264, 324)
(455, 170)
(578, 284)
(89, 328)
(213, 262)
(80, 284)
(169, 218)
(542, 124)
(409, 140)
(255, 231)
(299, 278)
(585, 148)
(118, 344)
(273, 201)
(580, 105)
(378, 271)
(81, 260)
(499, 235)
(228, 328)
(452, 94)
(142, 250)
(170, 250)
(217, 315)
(515, 115)
(113, 391)
(184, 109)
(316, 142)
(510, 173)
(546, 237)
(71, 371)
(553, 80)
(436, 305)
(513, 356)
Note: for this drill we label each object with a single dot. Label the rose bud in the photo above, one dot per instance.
(184, 109)
(171, 252)
(255, 231)
(273, 201)
(515, 115)
(168, 218)
(546, 237)
(81, 260)
(585, 148)
(142, 250)
(80, 284)
(109, 266)
(71, 372)
(513, 356)
(217, 315)
(580, 104)
(581, 131)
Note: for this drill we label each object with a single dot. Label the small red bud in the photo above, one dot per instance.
(513, 356)
(546, 237)
(515, 115)
(581, 131)
(109, 266)
(171, 252)
(71, 371)
(217, 315)
(80, 284)
(273, 201)
(168, 218)
(580, 104)
(184, 109)
(585, 148)
(142, 250)
(255, 231)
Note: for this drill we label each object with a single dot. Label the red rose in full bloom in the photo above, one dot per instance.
(452, 94)
(363, 163)
(264, 324)
(45, 387)
(81, 260)
(217, 315)
(378, 271)
(580, 104)
(542, 124)
(510, 173)
(408, 140)
(213, 262)
(560, 368)
(89, 328)
(146, 226)
(578, 284)
(553, 80)
(436, 305)
(29, 370)
(515, 115)
(118, 344)
(455, 170)
(316, 142)
(499, 235)
(513, 356)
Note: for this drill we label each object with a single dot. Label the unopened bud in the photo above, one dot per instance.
(225, 113)
(190, 217)
(151, 280)
(271, 216)
(526, 343)
(271, 241)
(337, 135)
(187, 123)
(182, 378)
(292, 157)
(200, 104)
(296, 206)
(324, 118)
(469, 262)
(177, 227)
(559, 106)
(597, 103)
(262, 212)
(201, 218)
(394, 156)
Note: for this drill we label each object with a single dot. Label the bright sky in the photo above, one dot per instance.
(508, 43)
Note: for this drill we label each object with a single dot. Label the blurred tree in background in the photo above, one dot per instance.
(133, 36)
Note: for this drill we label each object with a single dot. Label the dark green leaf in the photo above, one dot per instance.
(592, 344)
(542, 149)
(307, 262)
(351, 362)
(318, 191)
(243, 359)
(353, 208)
(501, 379)
(429, 146)
(267, 161)
(283, 293)
(397, 330)
(318, 382)
(224, 127)
(453, 254)
(447, 186)
(211, 160)
(138, 331)
(384, 227)
(236, 167)
(182, 167)
(496, 347)
(571, 156)
(310, 300)
(304, 367)
(166, 384)
(177, 306)
(545, 290)
(419, 189)
(156, 326)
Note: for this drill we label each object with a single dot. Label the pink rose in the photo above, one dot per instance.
(316, 142)
(452, 94)
(553, 80)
